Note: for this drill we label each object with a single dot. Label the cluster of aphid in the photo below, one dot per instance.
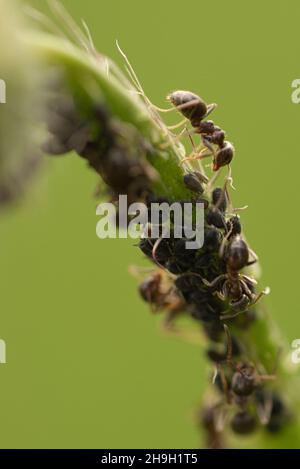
(210, 284)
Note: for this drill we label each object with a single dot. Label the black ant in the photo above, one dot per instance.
(195, 110)
(239, 383)
(191, 106)
(236, 287)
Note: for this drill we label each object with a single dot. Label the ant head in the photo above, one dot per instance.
(150, 287)
(234, 225)
(223, 156)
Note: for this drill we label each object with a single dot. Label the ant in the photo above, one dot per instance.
(236, 287)
(195, 110)
(154, 290)
(238, 386)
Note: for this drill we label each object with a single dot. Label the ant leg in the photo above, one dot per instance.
(215, 282)
(154, 249)
(199, 156)
(267, 377)
(209, 146)
(220, 419)
(184, 132)
(213, 180)
(239, 209)
(225, 316)
(246, 289)
(264, 409)
(138, 272)
(189, 335)
(250, 280)
(194, 158)
(229, 344)
(223, 382)
(221, 296)
(196, 151)
(254, 255)
(251, 262)
(179, 107)
(228, 180)
(266, 291)
(224, 241)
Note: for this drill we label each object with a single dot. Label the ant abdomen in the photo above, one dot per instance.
(189, 104)
(237, 255)
(223, 156)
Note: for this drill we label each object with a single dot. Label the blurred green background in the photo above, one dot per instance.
(86, 363)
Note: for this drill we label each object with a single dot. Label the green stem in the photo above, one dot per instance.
(91, 82)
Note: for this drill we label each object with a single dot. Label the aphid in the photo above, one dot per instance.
(219, 199)
(212, 238)
(216, 218)
(156, 291)
(159, 250)
(233, 286)
(243, 422)
(192, 182)
(182, 254)
(191, 106)
(234, 226)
